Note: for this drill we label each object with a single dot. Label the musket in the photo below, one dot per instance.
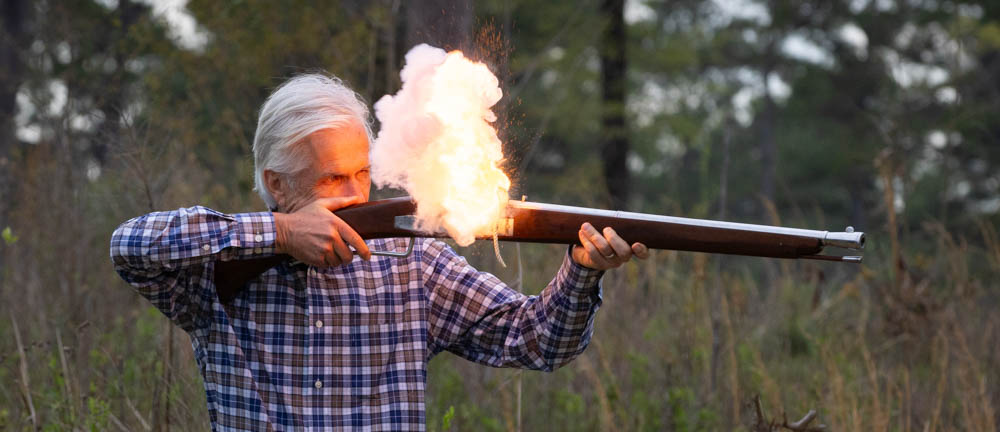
(534, 222)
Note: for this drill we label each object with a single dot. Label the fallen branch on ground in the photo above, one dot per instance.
(762, 424)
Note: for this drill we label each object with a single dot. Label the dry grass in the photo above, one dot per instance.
(906, 342)
(869, 353)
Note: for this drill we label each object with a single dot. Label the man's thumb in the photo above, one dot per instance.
(337, 203)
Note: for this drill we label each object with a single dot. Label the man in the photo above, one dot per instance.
(334, 339)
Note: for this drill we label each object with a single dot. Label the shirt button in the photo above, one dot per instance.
(319, 384)
(258, 237)
(205, 247)
(319, 323)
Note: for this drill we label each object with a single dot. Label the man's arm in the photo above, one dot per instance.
(167, 256)
(476, 316)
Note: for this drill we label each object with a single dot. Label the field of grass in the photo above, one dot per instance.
(906, 341)
(683, 342)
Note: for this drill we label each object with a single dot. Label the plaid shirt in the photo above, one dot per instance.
(307, 348)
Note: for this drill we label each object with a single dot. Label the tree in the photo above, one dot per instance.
(13, 37)
(614, 132)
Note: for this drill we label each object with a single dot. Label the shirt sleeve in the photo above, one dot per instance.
(168, 256)
(476, 316)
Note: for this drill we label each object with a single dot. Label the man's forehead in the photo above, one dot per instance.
(350, 130)
(343, 144)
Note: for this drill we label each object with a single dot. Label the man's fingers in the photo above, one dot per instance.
(324, 236)
(640, 250)
(595, 255)
(621, 248)
(607, 249)
(330, 258)
(354, 239)
(598, 240)
(337, 203)
(340, 248)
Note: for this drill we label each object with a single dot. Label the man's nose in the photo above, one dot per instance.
(353, 188)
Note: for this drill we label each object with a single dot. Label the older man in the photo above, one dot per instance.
(334, 339)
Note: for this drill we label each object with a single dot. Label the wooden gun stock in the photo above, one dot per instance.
(549, 223)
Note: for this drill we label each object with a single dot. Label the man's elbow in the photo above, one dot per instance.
(128, 255)
(122, 247)
(556, 358)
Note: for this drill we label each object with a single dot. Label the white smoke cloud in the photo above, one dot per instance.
(437, 143)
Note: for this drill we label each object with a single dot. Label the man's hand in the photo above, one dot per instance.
(315, 236)
(605, 251)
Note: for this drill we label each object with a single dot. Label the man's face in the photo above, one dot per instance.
(338, 167)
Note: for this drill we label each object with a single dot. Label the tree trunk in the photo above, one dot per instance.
(768, 148)
(12, 40)
(113, 102)
(391, 69)
(614, 135)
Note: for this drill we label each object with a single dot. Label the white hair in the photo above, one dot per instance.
(299, 107)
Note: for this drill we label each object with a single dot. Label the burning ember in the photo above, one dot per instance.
(437, 143)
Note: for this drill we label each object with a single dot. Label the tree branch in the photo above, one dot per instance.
(762, 424)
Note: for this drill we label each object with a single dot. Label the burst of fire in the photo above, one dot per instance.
(437, 143)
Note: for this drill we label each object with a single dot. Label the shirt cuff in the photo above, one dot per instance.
(255, 234)
(578, 279)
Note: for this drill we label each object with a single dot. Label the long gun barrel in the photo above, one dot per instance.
(534, 222)
(550, 223)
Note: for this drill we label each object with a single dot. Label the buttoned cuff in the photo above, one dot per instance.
(255, 234)
(579, 280)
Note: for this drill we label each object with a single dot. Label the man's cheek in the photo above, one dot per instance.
(304, 195)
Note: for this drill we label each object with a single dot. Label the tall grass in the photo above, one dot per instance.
(867, 348)
(906, 342)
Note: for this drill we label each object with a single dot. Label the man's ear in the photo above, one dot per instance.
(276, 186)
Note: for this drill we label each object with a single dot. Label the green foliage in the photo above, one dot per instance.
(798, 343)
(683, 417)
(8, 236)
(98, 418)
(989, 35)
(448, 416)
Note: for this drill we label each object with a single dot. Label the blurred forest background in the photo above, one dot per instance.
(880, 114)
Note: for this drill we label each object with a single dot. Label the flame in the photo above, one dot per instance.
(438, 143)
